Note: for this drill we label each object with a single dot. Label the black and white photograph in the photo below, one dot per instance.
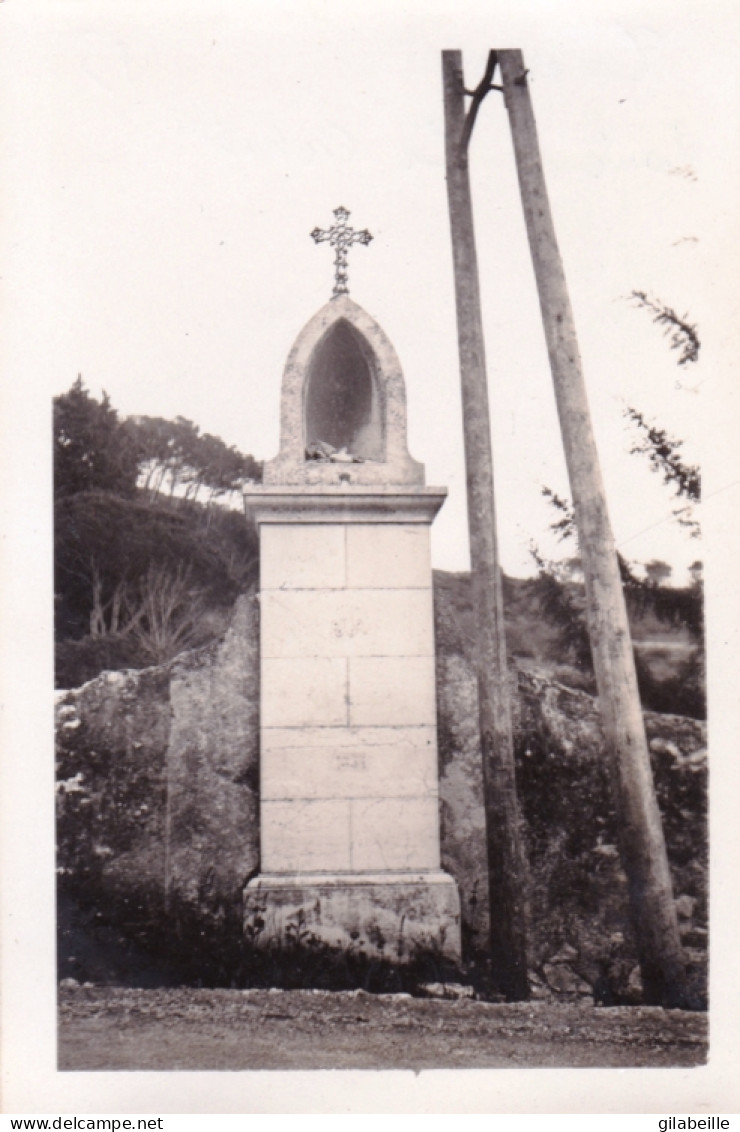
(370, 484)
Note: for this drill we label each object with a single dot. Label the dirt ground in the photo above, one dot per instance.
(110, 1028)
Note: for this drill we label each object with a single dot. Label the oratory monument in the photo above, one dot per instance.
(349, 819)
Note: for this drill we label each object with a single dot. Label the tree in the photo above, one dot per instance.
(92, 448)
(674, 605)
(658, 571)
(696, 569)
(166, 614)
(105, 544)
(666, 459)
(684, 336)
(561, 601)
(140, 573)
(563, 604)
(166, 450)
(175, 456)
(662, 450)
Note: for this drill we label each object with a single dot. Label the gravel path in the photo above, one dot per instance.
(114, 1028)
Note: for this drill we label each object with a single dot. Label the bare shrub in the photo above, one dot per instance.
(169, 614)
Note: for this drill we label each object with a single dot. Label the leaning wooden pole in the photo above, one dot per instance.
(506, 864)
(641, 842)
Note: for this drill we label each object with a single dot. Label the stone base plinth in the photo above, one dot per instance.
(396, 916)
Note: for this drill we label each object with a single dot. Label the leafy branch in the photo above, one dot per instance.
(565, 525)
(683, 335)
(664, 453)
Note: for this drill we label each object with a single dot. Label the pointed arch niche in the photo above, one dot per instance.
(342, 398)
(343, 386)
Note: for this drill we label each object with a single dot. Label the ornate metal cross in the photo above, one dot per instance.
(341, 237)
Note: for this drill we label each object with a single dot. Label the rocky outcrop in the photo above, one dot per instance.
(158, 795)
(581, 937)
(158, 818)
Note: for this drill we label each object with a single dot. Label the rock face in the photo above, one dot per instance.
(158, 817)
(462, 820)
(581, 937)
(158, 793)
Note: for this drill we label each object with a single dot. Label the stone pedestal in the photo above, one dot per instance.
(397, 917)
(349, 822)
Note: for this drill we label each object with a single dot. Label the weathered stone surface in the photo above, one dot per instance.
(157, 792)
(452, 991)
(324, 504)
(304, 691)
(462, 820)
(302, 835)
(391, 691)
(349, 622)
(299, 556)
(390, 554)
(212, 768)
(326, 555)
(562, 979)
(578, 888)
(356, 762)
(395, 833)
(393, 917)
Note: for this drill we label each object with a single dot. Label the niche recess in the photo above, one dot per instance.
(342, 401)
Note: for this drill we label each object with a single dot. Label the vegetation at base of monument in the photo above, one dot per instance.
(299, 959)
(143, 568)
(171, 948)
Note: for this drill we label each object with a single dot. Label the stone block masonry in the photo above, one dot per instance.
(349, 805)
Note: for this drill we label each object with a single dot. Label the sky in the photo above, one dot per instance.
(167, 164)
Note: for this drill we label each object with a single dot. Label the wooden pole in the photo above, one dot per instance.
(641, 842)
(507, 874)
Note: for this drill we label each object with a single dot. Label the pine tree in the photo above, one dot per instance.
(92, 448)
